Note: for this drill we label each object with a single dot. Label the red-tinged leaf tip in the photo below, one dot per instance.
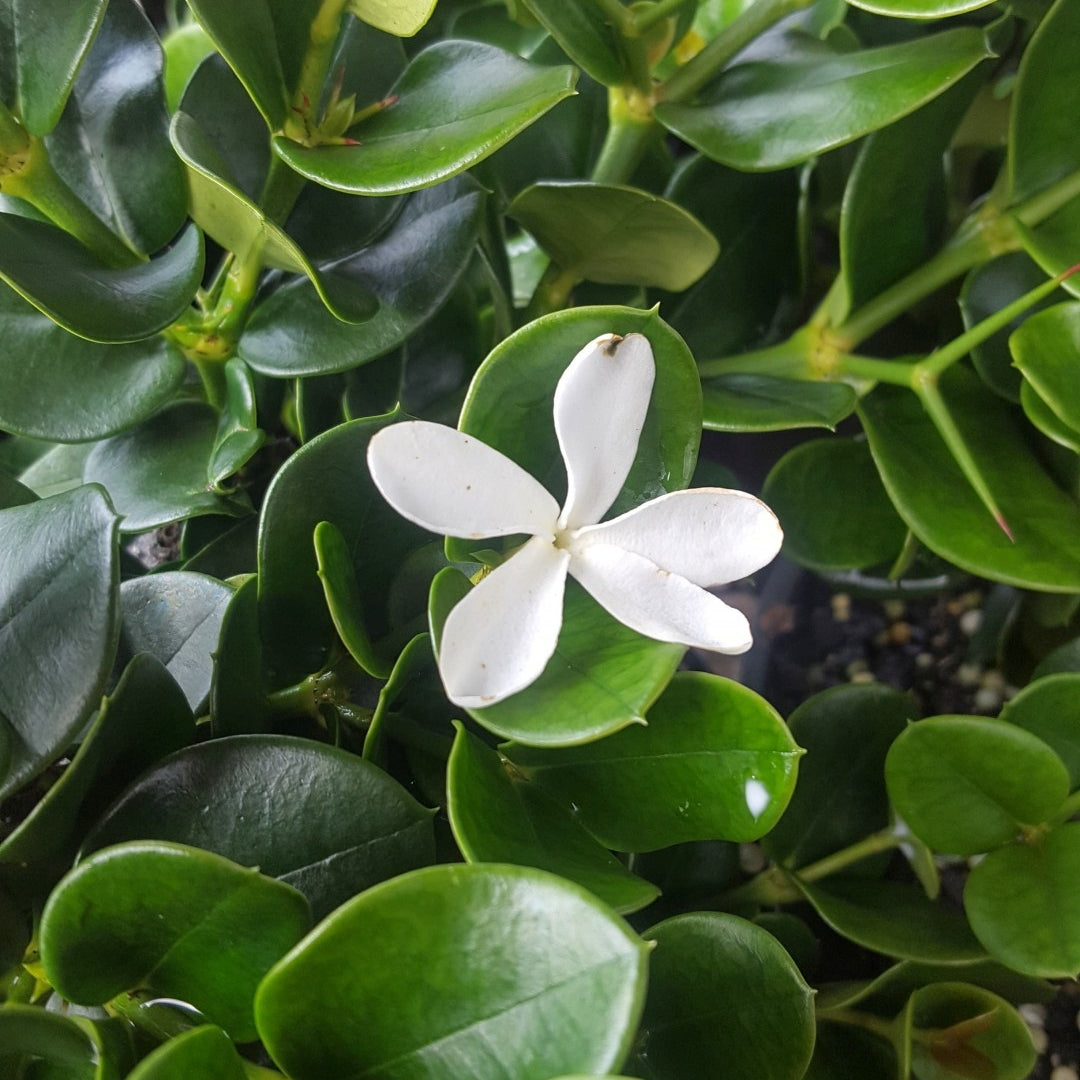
(1066, 274)
(393, 99)
(1003, 525)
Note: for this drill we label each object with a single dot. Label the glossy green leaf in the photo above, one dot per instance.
(714, 762)
(112, 144)
(224, 212)
(753, 215)
(725, 999)
(1046, 349)
(1065, 658)
(291, 333)
(205, 1052)
(77, 389)
(586, 36)
(183, 922)
(602, 677)
(142, 719)
(757, 403)
(845, 1052)
(500, 816)
(458, 969)
(1024, 907)
(186, 47)
(809, 490)
(176, 617)
(322, 820)
(1049, 708)
(326, 480)
(456, 103)
(157, 472)
(228, 552)
(14, 493)
(238, 690)
(65, 281)
(776, 112)
(58, 470)
(961, 1030)
(41, 47)
(1046, 420)
(615, 234)
(920, 9)
(932, 495)
(840, 796)
(66, 1048)
(967, 784)
(238, 436)
(401, 17)
(58, 625)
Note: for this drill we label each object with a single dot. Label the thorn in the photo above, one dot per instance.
(1003, 525)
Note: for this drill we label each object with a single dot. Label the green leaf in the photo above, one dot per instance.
(182, 922)
(186, 47)
(442, 222)
(919, 9)
(326, 480)
(238, 690)
(238, 436)
(42, 43)
(967, 784)
(602, 676)
(961, 1030)
(893, 918)
(205, 1052)
(55, 397)
(1046, 420)
(322, 820)
(1050, 709)
(586, 36)
(458, 968)
(764, 403)
(65, 281)
(58, 470)
(176, 617)
(498, 815)
(156, 473)
(456, 103)
(112, 144)
(1024, 907)
(809, 489)
(66, 1048)
(934, 498)
(725, 999)
(1046, 350)
(616, 235)
(840, 797)
(844, 1052)
(401, 17)
(225, 213)
(714, 762)
(777, 112)
(119, 745)
(58, 625)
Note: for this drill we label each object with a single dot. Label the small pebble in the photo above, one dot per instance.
(969, 675)
(1064, 1072)
(752, 859)
(1034, 1015)
(841, 607)
(924, 661)
(970, 622)
(894, 609)
(863, 677)
(993, 680)
(856, 667)
(987, 701)
(900, 633)
(1040, 1040)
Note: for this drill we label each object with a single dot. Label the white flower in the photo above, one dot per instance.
(648, 567)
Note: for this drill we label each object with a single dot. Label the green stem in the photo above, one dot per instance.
(1068, 809)
(323, 35)
(874, 844)
(894, 372)
(739, 33)
(790, 359)
(631, 128)
(646, 18)
(619, 17)
(552, 293)
(877, 1025)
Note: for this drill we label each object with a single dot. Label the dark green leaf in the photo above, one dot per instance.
(176, 617)
(934, 498)
(616, 235)
(291, 333)
(14, 493)
(602, 677)
(42, 43)
(65, 281)
(205, 1052)
(840, 796)
(844, 1052)
(143, 719)
(810, 488)
(1023, 904)
(967, 784)
(320, 819)
(724, 999)
(765, 403)
(458, 970)
(77, 389)
(238, 435)
(586, 36)
(714, 762)
(1050, 708)
(238, 690)
(456, 103)
(157, 473)
(772, 113)
(1046, 350)
(59, 620)
(498, 815)
(57, 471)
(183, 922)
(68, 1049)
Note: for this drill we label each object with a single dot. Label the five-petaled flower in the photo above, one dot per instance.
(648, 567)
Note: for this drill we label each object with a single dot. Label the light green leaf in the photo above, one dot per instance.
(1049, 707)
(586, 36)
(205, 1052)
(1046, 349)
(920, 9)
(401, 17)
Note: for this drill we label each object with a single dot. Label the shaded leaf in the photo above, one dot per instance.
(765, 403)
(206, 1052)
(1049, 707)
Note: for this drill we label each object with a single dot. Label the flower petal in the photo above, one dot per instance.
(499, 638)
(600, 407)
(451, 483)
(657, 603)
(709, 536)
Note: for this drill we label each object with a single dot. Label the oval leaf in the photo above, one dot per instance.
(453, 966)
(1046, 349)
(186, 923)
(764, 403)
(401, 17)
(714, 762)
(1050, 708)
(205, 1052)
(587, 36)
